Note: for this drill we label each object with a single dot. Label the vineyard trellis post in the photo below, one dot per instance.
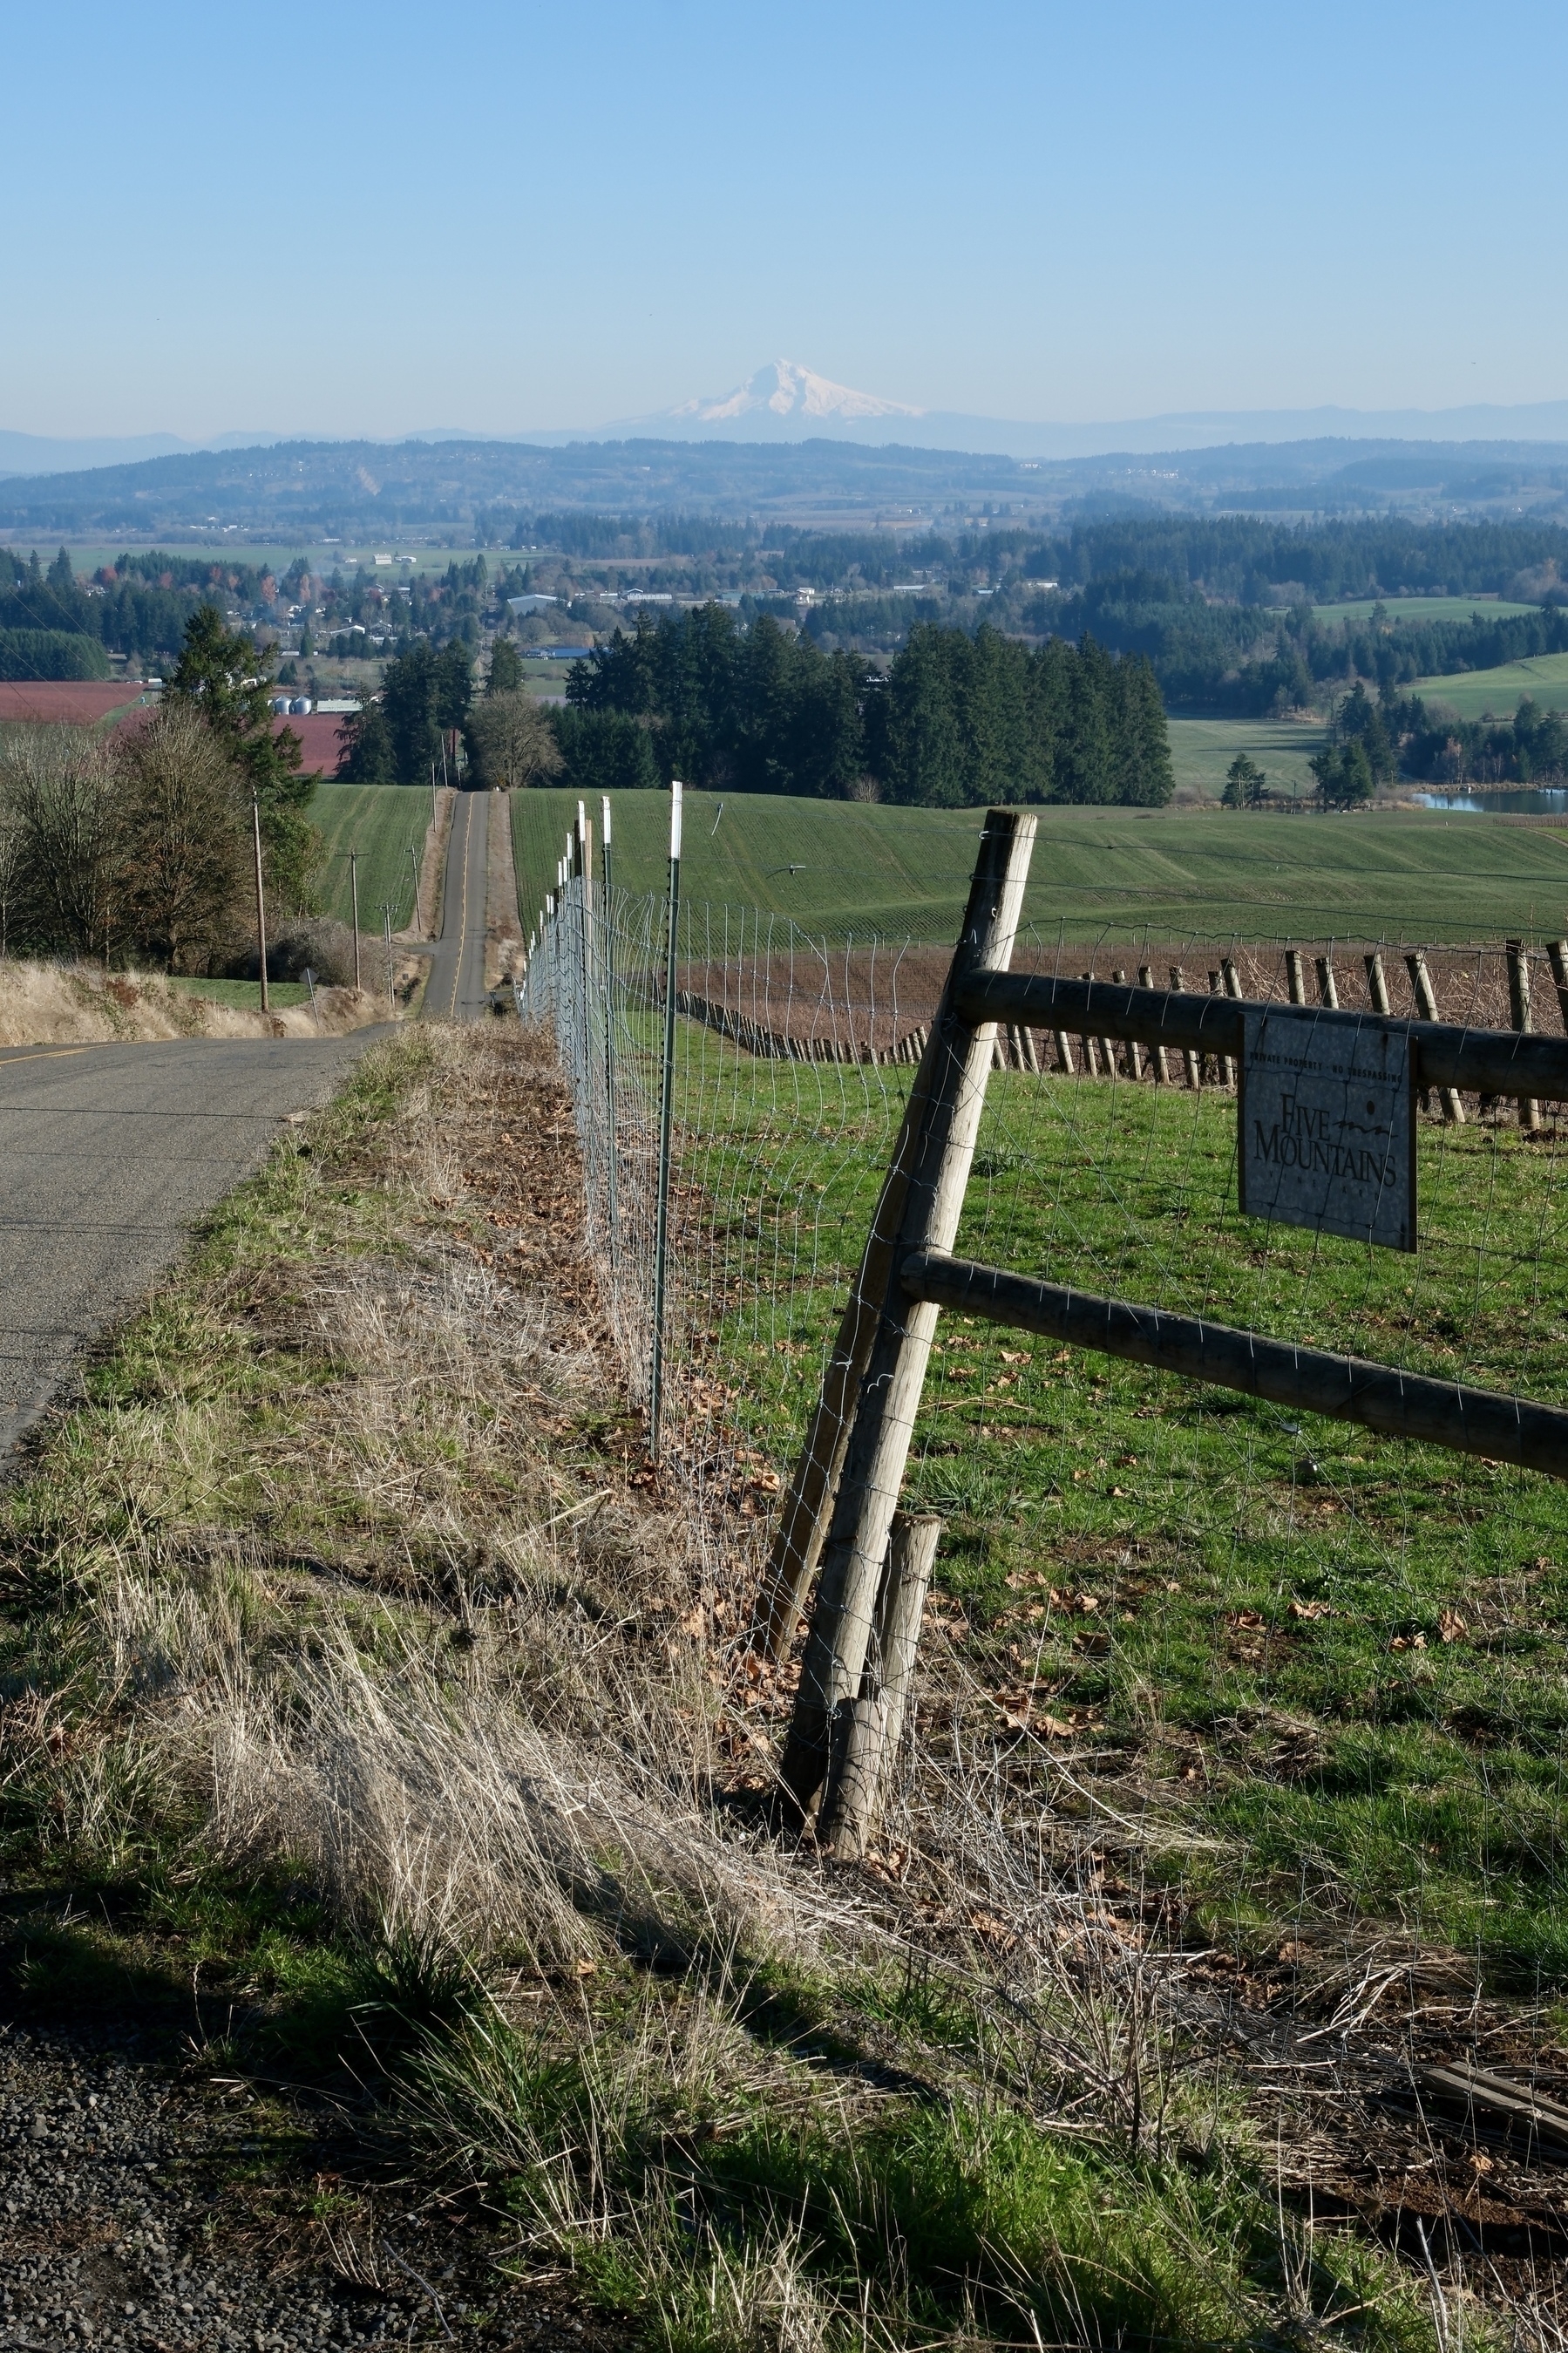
(665, 1113)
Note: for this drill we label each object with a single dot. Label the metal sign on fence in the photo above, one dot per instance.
(1326, 1120)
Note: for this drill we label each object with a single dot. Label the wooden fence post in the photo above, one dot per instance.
(1194, 1067)
(1426, 1006)
(1295, 978)
(1518, 1014)
(875, 1724)
(1376, 986)
(1328, 991)
(1134, 1050)
(1162, 1058)
(1557, 957)
(937, 1146)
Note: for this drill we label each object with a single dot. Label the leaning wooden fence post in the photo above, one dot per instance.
(802, 1522)
(876, 1722)
(1426, 1006)
(1557, 957)
(942, 1124)
(1376, 986)
(1518, 1014)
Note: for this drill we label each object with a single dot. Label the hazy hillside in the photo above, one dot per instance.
(300, 491)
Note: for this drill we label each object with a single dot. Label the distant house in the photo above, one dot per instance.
(531, 603)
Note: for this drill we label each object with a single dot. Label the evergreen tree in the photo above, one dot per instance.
(221, 676)
(368, 756)
(505, 675)
(1244, 783)
(410, 703)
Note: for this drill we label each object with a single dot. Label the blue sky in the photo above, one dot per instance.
(505, 216)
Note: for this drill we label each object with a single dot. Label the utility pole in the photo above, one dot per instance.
(414, 861)
(387, 921)
(353, 893)
(260, 902)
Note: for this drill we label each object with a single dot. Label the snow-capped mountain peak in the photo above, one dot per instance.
(786, 391)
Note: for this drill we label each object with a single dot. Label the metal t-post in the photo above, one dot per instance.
(260, 903)
(612, 1201)
(666, 1112)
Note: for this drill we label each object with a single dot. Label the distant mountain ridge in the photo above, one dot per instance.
(476, 492)
(785, 401)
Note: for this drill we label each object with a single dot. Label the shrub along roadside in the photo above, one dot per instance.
(349, 1680)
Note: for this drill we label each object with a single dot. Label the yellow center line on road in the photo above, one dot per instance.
(47, 1053)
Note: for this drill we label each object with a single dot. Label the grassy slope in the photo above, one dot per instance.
(1203, 749)
(381, 821)
(1474, 693)
(1386, 875)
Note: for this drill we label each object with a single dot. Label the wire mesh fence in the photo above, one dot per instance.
(1100, 1163)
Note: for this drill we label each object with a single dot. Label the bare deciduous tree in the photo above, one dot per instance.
(59, 789)
(512, 741)
(183, 811)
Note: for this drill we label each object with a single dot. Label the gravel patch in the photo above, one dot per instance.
(117, 2230)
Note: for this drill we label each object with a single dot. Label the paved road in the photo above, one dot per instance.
(456, 988)
(107, 1155)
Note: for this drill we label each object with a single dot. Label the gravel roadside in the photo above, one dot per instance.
(139, 2208)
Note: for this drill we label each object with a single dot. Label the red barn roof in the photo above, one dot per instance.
(321, 745)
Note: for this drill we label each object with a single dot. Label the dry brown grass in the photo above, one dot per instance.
(48, 1004)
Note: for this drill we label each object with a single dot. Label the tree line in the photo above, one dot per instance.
(956, 718)
(1371, 740)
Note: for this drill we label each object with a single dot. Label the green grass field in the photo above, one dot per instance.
(381, 821)
(1341, 1658)
(1203, 749)
(1419, 608)
(1473, 693)
(275, 554)
(245, 995)
(1221, 873)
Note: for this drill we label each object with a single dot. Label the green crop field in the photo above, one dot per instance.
(245, 996)
(1203, 749)
(1219, 874)
(1420, 608)
(1474, 693)
(381, 822)
(271, 555)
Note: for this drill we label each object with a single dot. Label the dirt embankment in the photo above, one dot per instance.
(426, 922)
(503, 931)
(68, 1005)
